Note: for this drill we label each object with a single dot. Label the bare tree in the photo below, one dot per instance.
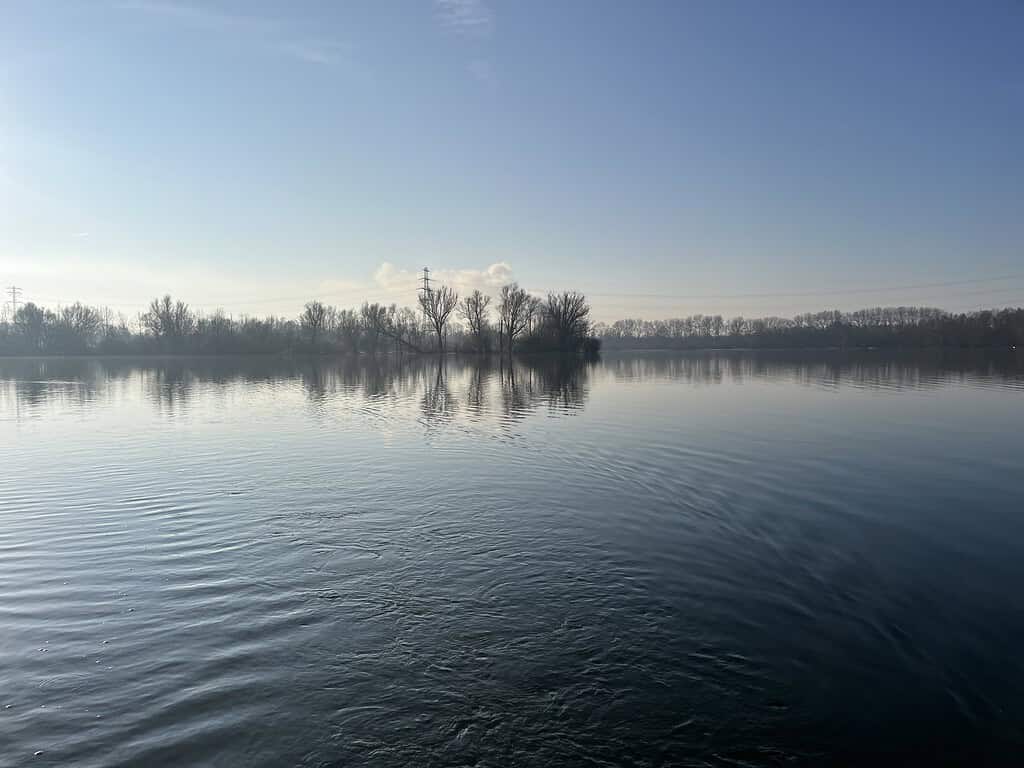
(438, 304)
(169, 320)
(314, 320)
(473, 310)
(566, 314)
(346, 329)
(33, 323)
(399, 325)
(515, 309)
(75, 328)
(81, 320)
(535, 314)
(409, 328)
(373, 319)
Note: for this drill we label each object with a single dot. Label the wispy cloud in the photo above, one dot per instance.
(200, 18)
(472, 18)
(264, 33)
(473, 21)
(314, 51)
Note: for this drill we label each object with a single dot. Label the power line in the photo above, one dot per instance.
(405, 283)
(362, 291)
(834, 292)
(903, 300)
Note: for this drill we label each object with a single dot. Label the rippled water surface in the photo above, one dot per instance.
(719, 559)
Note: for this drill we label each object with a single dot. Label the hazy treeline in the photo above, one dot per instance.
(874, 327)
(918, 368)
(515, 320)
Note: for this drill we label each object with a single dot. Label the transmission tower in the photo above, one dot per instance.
(425, 292)
(14, 291)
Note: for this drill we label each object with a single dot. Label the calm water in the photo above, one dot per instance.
(654, 560)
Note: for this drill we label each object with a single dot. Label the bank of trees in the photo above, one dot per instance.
(516, 321)
(512, 321)
(68, 330)
(872, 327)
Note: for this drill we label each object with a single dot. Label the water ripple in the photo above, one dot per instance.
(716, 559)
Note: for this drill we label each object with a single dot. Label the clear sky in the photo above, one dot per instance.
(664, 157)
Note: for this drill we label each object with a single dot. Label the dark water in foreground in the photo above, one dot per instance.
(656, 560)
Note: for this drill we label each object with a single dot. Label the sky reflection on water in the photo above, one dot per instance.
(653, 559)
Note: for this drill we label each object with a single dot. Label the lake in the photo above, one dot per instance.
(653, 559)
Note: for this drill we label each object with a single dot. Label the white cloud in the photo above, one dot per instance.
(489, 280)
(472, 18)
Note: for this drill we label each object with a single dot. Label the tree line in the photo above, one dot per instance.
(872, 327)
(513, 321)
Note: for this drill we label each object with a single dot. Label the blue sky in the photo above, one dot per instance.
(665, 157)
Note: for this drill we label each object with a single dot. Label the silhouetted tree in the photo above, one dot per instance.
(313, 321)
(169, 321)
(408, 328)
(566, 315)
(346, 329)
(515, 310)
(215, 333)
(438, 304)
(473, 310)
(32, 324)
(398, 325)
(74, 329)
